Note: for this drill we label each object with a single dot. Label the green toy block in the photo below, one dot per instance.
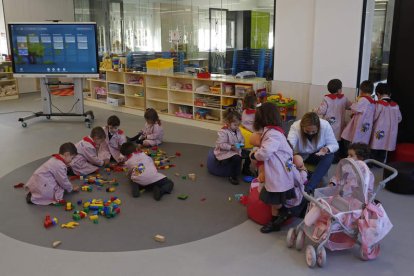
(76, 217)
(184, 177)
(95, 221)
(182, 197)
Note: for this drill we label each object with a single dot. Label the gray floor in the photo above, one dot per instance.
(180, 221)
(241, 250)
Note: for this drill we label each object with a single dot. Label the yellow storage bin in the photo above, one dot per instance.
(160, 66)
(246, 135)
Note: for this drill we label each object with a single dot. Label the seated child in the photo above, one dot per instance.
(87, 160)
(49, 182)
(255, 140)
(152, 133)
(143, 172)
(358, 152)
(249, 109)
(228, 146)
(115, 137)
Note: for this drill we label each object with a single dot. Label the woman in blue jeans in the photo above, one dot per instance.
(314, 139)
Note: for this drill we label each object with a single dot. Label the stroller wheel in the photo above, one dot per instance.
(310, 256)
(372, 253)
(300, 240)
(291, 238)
(321, 256)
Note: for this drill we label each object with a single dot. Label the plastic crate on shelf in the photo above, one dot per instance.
(160, 66)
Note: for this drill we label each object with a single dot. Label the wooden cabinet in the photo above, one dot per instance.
(173, 95)
(8, 84)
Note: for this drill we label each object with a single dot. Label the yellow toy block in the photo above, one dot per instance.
(70, 225)
(93, 217)
(117, 201)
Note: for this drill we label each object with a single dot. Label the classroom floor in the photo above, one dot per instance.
(241, 250)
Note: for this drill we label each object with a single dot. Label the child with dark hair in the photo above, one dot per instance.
(115, 137)
(249, 109)
(152, 133)
(277, 155)
(143, 173)
(87, 160)
(360, 127)
(386, 119)
(333, 109)
(49, 182)
(229, 145)
(358, 152)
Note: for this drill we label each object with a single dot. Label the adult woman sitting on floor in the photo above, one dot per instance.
(314, 139)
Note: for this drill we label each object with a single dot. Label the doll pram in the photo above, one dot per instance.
(336, 217)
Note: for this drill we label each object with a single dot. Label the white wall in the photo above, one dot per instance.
(294, 40)
(316, 40)
(36, 11)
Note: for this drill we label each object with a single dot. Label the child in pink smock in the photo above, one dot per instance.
(228, 150)
(277, 156)
(249, 109)
(143, 173)
(358, 152)
(360, 127)
(115, 137)
(333, 109)
(49, 182)
(87, 160)
(386, 119)
(153, 133)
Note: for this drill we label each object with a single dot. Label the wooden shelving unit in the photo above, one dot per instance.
(176, 95)
(8, 84)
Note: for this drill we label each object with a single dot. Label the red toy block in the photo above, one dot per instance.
(47, 222)
(20, 185)
(117, 210)
(178, 153)
(172, 166)
(73, 177)
(154, 148)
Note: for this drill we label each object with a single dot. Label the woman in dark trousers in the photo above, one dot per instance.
(314, 139)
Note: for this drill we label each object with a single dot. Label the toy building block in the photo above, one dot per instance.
(69, 206)
(203, 199)
(159, 238)
(108, 169)
(117, 201)
(76, 217)
(110, 189)
(70, 225)
(48, 222)
(93, 217)
(184, 177)
(79, 202)
(20, 185)
(192, 176)
(56, 244)
(73, 177)
(238, 196)
(178, 154)
(81, 177)
(182, 197)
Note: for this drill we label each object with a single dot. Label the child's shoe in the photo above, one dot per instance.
(233, 180)
(135, 190)
(270, 227)
(157, 193)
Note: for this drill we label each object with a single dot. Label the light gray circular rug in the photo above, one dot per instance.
(207, 210)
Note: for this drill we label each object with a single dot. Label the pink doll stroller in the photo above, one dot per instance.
(339, 217)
